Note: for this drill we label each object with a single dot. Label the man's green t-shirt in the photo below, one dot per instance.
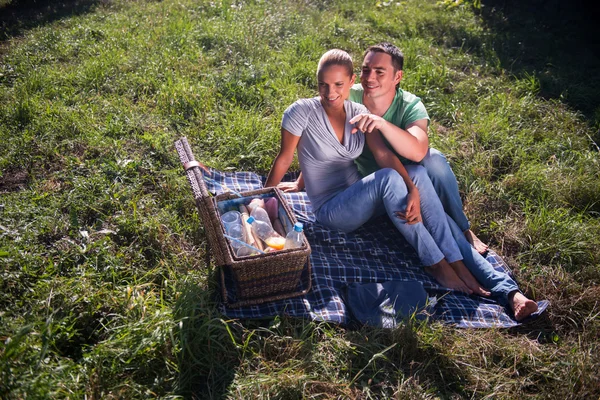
(405, 109)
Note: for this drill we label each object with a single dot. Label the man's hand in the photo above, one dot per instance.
(289, 186)
(413, 208)
(367, 123)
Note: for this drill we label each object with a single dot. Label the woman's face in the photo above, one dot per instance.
(334, 86)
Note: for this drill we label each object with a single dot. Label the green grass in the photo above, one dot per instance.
(104, 290)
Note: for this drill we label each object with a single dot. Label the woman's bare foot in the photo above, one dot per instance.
(475, 242)
(463, 273)
(521, 305)
(445, 275)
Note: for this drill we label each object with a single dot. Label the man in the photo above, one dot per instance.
(407, 135)
(403, 122)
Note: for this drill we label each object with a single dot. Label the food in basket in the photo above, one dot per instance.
(272, 208)
(256, 203)
(256, 231)
(249, 236)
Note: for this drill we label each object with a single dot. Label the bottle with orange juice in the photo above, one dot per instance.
(266, 233)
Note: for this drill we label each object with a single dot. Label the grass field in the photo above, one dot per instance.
(104, 290)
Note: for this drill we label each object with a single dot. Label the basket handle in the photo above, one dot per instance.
(192, 168)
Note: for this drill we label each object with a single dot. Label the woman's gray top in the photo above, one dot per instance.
(327, 165)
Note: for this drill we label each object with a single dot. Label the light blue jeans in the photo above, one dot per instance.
(498, 283)
(446, 186)
(385, 191)
(436, 238)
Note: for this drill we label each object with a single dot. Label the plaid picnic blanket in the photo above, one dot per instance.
(376, 252)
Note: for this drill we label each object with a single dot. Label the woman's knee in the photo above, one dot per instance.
(389, 177)
(391, 183)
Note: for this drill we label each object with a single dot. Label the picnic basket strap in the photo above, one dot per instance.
(194, 174)
(205, 203)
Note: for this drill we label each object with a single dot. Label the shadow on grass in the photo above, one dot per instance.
(208, 357)
(552, 43)
(415, 354)
(19, 16)
(540, 329)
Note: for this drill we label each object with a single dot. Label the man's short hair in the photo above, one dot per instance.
(393, 51)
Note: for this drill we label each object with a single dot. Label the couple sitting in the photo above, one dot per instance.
(348, 183)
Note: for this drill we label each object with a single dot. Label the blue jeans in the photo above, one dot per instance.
(385, 191)
(446, 187)
(444, 182)
(498, 283)
(436, 238)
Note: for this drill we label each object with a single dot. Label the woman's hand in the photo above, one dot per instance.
(367, 123)
(295, 186)
(413, 208)
(289, 187)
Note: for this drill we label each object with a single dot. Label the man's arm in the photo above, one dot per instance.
(411, 143)
(386, 159)
(284, 159)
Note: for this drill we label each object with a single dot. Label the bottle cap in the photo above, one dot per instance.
(298, 226)
(250, 220)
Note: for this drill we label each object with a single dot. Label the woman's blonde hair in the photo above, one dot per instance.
(336, 57)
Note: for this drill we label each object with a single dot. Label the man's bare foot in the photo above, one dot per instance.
(475, 242)
(463, 273)
(445, 275)
(521, 305)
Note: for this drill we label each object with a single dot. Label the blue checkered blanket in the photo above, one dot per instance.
(376, 252)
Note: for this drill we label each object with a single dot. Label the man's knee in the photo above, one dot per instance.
(434, 159)
(416, 172)
(437, 165)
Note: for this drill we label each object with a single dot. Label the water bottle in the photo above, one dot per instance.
(266, 233)
(260, 214)
(293, 239)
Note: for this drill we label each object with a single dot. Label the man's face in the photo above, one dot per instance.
(377, 75)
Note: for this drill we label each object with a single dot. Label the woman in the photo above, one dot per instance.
(319, 129)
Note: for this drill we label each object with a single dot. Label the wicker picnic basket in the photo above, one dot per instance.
(258, 278)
